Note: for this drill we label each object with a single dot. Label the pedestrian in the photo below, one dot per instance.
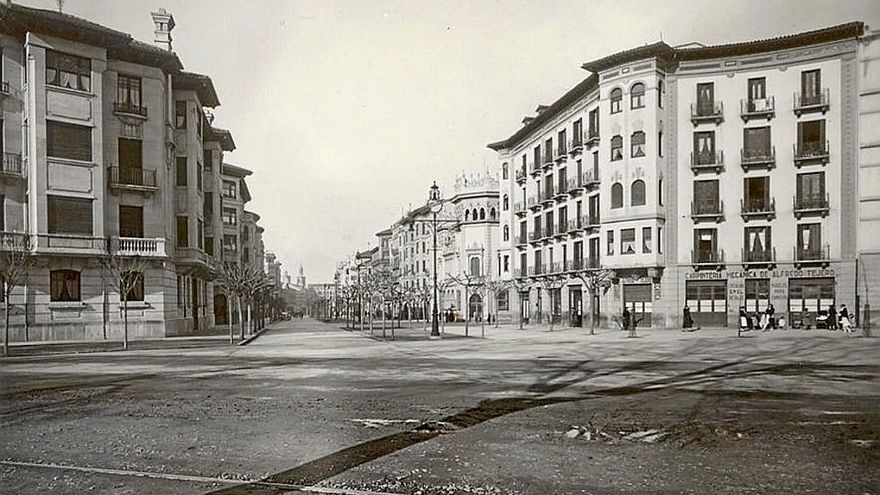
(845, 324)
(744, 322)
(781, 323)
(831, 321)
(771, 313)
(626, 317)
(763, 321)
(686, 320)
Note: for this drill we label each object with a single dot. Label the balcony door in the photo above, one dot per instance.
(131, 221)
(810, 85)
(706, 98)
(757, 89)
(810, 188)
(706, 245)
(704, 147)
(811, 137)
(578, 258)
(757, 243)
(757, 193)
(594, 208)
(130, 161)
(809, 239)
(706, 196)
(756, 142)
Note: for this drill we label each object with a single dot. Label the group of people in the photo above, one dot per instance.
(838, 319)
(763, 320)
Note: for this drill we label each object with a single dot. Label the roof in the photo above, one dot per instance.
(235, 170)
(383, 233)
(673, 56)
(18, 19)
(201, 84)
(245, 192)
(222, 136)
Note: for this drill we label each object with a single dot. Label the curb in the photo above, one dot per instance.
(253, 337)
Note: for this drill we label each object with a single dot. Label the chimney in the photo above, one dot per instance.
(164, 22)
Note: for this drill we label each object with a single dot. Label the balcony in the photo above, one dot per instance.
(590, 178)
(757, 209)
(709, 161)
(811, 205)
(561, 153)
(708, 112)
(820, 255)
(575, 226)
(129, 108)
(134, 179)
(757, 158)
(536, 235)
(536, 270)
(811, 152)
(522, 239)
(707, 259)
(523, 272)
(593, 138)
(816, 102)
(758, 257)
(136, 246)
(561, 229)
(70, 244)
(548, 231)
(758, 108)
(591, 222)
(561, 191)
(536, 167)
(576, 146)
(519, 209)
(532, 203)
(703, 211)
(521, 176)
(547, 196)
(12, 166)
(548, 159)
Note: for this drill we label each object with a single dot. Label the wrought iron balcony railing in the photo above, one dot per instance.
(133, 178)
(756, 108)
(129, 108)
(707, 112)
(813, 204)
(759, 256)
(812, 102)
(811, 152)
(707, 211)
(713, 160)
(754, 158)
(707, 258)
(757, 208)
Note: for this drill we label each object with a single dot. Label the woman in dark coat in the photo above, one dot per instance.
(831, 322)
(686, 320)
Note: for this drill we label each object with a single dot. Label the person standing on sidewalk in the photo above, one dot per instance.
(845, 324)
(771, 313)
(686, 321)
(831, 322)
(626, 317)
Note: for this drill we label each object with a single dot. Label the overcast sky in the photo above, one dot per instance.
(347, 110)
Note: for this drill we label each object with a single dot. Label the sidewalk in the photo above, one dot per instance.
(85, 346)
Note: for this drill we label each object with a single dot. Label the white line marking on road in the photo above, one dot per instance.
(196, 479)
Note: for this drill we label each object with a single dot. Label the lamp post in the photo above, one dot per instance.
(436, 206)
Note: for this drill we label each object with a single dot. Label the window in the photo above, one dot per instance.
(548, 150)
(594, 122)
(706, 200)
(180, 114)
(809, 240)
(637, 144)
(503, 300)
(68, 71)
(756, 142)
(637, 193)
(617, 195)
(64, 286)
(182, 231)
(208, 205)
(181, 171)
(811, 86)
(660, 143)
(646, 239)
(230, 217)
(537, 152)
(706, 99)
(757, 91)
(660, 192)
(577, 133)
(131, 221)
(200, 233)
(704, 148)
(2, 222)
(208, 159)
(616, 148)
(757, 244)
(69, 215)
(610, 235)
(505, 205)
(199, 173)
(628, 241)
(475, 266)
(661, 93)
(811, 138)
(506, 233)
(810, 188)
(128, 93)
(660, 240)
(130, 154)
(757, 193)
(506, 263)
(135, 282)
(229, 189)
(482, 213)
(209, 245)
(706, 246)
(70, 141)
(561, 143)
(230, 243)
(616, 98)
(637, 96)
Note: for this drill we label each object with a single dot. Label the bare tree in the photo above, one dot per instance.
(551, 284)
(472, 284)
(493, 289)
(596, 281)
(126, 273)
(521, 286)
(16, 260)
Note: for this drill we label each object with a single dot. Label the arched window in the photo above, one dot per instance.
(64, 286)
(505, 205)
(616, 148)
(504, 171)
(637, 193)
(492, 213)
(506, 233)
(482, 213)
(637, 96)
(637, 143)
(617, 195)
(467, 215)
(616, 98)
(661, 92)
(475, 266)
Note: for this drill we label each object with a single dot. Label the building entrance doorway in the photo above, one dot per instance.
(575, 306)
(637, 299)
(475, 308)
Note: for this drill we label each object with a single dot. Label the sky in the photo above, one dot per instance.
(346, 111)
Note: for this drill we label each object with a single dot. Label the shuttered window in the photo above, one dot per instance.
(69, 215)
(69, 141)
(130, 155)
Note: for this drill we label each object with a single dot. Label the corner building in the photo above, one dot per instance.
(713, 177)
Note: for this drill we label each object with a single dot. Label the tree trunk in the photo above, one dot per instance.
(593, 298)
(229, 317)
(125, 321)
(467, 312)
(240, 316)
(383, 317)
(6, 324)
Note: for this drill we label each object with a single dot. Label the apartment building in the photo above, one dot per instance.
(107, 150)
(721, 177)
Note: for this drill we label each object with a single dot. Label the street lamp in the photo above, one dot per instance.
(436, 206)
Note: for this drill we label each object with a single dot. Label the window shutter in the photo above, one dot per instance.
(68, 141)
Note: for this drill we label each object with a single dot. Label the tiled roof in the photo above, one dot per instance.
(199, 83)
(222, 136)
(235, 170)
(672, 56)
(18, 19)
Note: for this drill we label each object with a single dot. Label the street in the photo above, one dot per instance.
(309, 407)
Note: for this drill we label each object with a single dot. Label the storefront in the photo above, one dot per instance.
(809, 298)
(707, 301)
(637, 299)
